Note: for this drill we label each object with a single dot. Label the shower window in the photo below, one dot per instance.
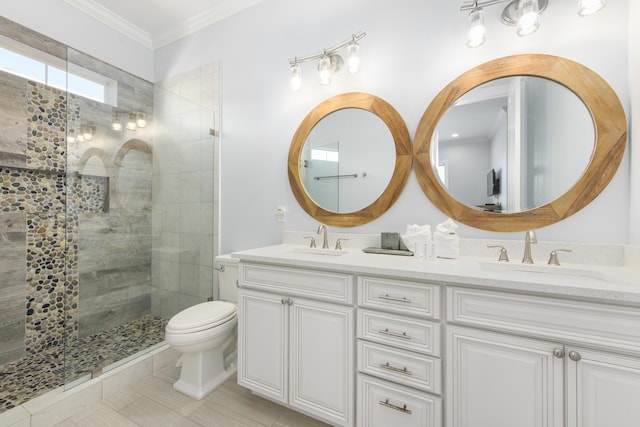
(23, 61)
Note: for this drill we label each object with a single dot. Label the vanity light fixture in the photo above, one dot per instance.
(330, 62)
(524, 14)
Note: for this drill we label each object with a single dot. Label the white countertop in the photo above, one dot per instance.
(611, 284)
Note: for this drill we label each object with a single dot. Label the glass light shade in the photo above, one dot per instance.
(477, 34)
(589, 7)
(131, 123)
(353, 61)
(529, 20)
(324, 70)
(115, 122)
(295, 84)
(141, 120)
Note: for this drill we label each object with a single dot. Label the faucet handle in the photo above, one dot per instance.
(503, 252)
(553, 256)
(312, 244)
(338, 245)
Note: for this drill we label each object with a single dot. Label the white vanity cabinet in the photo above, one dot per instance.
(296, 339)
(399, 365)
(522, 360)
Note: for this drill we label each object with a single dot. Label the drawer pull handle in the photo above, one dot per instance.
(402, 408)
(395, 299)
(404, 370)
(386, 331)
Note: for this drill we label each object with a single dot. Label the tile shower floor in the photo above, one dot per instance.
(31, 376)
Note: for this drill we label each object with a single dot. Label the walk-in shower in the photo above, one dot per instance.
(106, 210)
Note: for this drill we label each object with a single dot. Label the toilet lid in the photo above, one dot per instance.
(202, 316)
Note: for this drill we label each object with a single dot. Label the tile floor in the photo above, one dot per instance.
(153, 402)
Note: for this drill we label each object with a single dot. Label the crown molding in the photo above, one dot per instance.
(113, 20)
(221, 10)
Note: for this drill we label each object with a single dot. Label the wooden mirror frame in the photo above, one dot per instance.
(610, 128)
(401, 171)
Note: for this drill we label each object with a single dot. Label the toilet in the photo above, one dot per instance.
(206, 335)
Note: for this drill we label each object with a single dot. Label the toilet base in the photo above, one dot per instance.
(203, 372)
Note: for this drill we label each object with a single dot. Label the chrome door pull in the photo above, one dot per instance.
(404, 370)
(396, 299)
(575, 356)
(558, 352)
(386, 331)
(402, 408)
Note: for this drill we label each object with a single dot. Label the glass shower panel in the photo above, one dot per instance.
(108, 217)
(183, 196)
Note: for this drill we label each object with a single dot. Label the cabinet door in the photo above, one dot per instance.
(321, 355)
(262, 343)
(499, 380)
(603, 390)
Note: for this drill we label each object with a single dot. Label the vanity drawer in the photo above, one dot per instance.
(314, 284)
(599, 325)
(384, 404)
(398, 331)
(400, 366)
(399, 296)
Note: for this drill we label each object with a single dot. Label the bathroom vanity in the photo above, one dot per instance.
(376, 340)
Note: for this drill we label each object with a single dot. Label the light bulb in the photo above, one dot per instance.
(589, 7)
(295, 84)
(529, 20)
(324, 70)
(353, 61)
(131, 123)
(141, 120)
(477, 34)
(115, 122)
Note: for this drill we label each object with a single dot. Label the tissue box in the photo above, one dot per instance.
(390, 241)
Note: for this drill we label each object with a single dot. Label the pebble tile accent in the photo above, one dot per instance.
(36, 374)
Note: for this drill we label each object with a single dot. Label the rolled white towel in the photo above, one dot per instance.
(446, 242)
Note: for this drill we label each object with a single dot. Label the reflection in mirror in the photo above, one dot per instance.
(347, 160)
(533, 193)
(513, 144)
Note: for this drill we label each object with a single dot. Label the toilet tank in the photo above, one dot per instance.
(227, 279)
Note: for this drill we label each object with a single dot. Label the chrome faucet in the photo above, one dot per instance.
(529, 239)
(323, 229)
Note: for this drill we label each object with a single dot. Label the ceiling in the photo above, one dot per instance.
(155, 23)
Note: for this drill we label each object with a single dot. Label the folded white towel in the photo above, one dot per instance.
(418, 239)
(446, 242)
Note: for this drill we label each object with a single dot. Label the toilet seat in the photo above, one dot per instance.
(202, 316)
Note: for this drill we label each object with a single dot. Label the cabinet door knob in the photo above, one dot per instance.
(575, 356)
(283, 301)
(558, 352)
(289, 301)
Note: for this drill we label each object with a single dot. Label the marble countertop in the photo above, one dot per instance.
(603, 283)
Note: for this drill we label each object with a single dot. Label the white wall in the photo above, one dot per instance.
(66, 24)
(634, 120)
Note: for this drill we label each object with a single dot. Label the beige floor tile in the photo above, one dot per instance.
(149, 413)
(295, 419)
(250, 406)
(162, 392)
(122, 398)
(213, 415)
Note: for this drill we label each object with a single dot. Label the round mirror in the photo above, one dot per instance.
(519, 142)
(512, 144)
(349, 159)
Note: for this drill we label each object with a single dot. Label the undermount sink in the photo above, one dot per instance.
(320, 251)
(544, 269)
